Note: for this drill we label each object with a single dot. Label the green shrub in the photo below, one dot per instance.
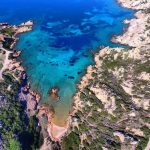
(71, 142)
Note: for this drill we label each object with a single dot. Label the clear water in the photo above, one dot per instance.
(58, 50)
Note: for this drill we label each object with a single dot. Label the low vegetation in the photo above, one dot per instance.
(99, 125)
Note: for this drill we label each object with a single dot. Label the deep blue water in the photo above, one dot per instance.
(58, 49)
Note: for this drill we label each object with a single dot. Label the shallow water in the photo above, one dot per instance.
(57, 51)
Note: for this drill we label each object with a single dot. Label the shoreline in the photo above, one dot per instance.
(130, 37)
(36, 104)
(32, 98)
(26, 95)
(88, 75)
(116, 39)
(11, 64)
(12, 75)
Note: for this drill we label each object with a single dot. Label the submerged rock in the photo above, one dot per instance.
(54, 93)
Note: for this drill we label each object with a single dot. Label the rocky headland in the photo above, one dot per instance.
(111, 110)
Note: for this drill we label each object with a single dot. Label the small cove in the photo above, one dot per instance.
(58, 50)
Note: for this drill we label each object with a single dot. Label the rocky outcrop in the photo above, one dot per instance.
(31, 100)
(54, 93)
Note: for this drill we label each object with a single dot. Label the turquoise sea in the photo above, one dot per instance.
(66, 33)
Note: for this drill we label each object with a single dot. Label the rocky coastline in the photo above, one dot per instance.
(111, 107)
(109, 89)
(12, 65)
(51, 133)
(15, 90)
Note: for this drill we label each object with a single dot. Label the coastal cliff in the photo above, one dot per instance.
(111, 109)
